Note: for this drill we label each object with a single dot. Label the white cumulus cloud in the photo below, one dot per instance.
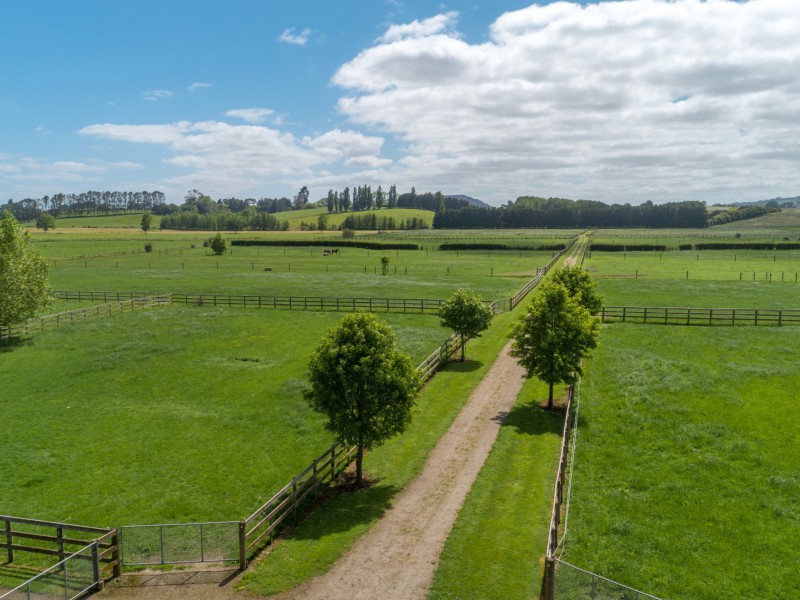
(298, 39)
(199, 85)
(251, 115)
(617, 101)
(443, 23)
(156, 95)
(230, 159)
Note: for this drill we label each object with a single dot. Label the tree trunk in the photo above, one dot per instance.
(550, 399)
(359, 461)
(463, 348)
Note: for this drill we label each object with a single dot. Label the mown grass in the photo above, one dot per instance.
(660, 279)
(685, 482)
(496, 548)
(303, 271)
(310, 216)
(131, 221)
(165, 415)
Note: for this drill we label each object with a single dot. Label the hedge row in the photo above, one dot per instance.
(480, 246)
(328, 244)
(700, 246)
(629, 247)
(744, 246)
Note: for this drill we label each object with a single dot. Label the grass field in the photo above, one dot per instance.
(309, 216)
(768, 279)
(297, 271)
(128, 221)
(686, 483)
(166, 415)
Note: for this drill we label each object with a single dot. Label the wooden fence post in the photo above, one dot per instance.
(116, 555)
(242, 545)
(9, 541)
(98, 580)
(549, 579)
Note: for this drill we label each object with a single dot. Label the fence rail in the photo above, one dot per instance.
(81, 314)
(558, 499)
(71, 578)
(98, 552)
(259, 528)
(670, 315)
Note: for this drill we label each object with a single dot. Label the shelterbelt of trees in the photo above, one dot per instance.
(530, 211)
(86, 204)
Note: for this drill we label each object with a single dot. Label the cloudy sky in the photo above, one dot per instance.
(619, 101)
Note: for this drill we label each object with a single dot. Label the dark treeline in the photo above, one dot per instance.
(364, 198)
(86, 204)
(720, 217)
(372, 221)
(529, 212)
(223, 220)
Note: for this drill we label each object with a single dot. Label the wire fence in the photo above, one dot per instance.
(68, 579)
(574, 583)
(563, 581)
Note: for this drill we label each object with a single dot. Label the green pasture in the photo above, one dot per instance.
(175, 414)
(303, 271)
(127, 221)
(788, 218)
(310, 215)
(712, 278)
(685, 482)
(497, 545)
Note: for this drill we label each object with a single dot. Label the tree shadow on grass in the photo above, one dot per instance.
(340, 511)
(467, 366)
(12, 343)
(530, 419)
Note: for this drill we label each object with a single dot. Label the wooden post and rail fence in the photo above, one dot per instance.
(88, 556)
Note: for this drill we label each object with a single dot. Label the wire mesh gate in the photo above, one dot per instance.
(180, 543)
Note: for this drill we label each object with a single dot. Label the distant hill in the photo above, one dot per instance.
(780, 202)
(470, 199)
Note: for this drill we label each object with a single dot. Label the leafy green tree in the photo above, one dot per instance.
(322, 222)
(465, 314)
(147, 220)
(45, 221)
(362, 383)
(384, 265)
(553, 336)
(24, 288)
(218, 244)
(579, 282)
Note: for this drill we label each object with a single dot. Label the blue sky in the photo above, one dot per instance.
(615, 101)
